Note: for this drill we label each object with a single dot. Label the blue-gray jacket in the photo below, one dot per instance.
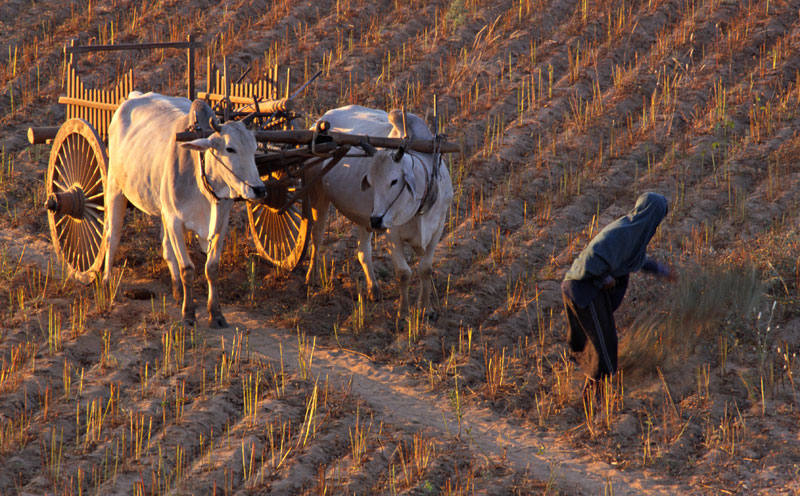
(619, 249)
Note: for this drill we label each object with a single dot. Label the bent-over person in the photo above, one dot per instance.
(595, 284)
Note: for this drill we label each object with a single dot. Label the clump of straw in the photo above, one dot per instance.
(696, 309)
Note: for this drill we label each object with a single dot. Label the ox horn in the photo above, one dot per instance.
(214, 124)
(248, 119)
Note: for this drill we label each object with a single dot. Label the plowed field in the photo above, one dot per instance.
(565, 111)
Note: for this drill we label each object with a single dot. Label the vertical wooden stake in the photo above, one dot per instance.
(208, 72)
(190, 67)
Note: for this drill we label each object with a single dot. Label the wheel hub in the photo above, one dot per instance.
(277, 194)
(70, 202)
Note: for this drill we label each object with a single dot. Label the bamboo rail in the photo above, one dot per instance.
(248, 103)
(242, 95)
(93, 105)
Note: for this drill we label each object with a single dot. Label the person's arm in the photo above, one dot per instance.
(656, 268)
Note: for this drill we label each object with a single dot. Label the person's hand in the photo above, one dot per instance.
(669, 274)
(608, 282)
(666, 272)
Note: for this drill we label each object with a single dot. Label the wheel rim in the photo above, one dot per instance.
(76, 179)
(280, 238)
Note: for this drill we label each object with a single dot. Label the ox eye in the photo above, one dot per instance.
(230, 150)
(394, 182)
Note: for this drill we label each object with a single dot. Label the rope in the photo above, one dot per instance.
(206, 182)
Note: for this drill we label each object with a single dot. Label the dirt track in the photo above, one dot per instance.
(390, 392)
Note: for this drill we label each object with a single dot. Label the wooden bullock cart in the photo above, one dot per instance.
(76, 172)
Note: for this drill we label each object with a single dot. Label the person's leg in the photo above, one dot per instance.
(595, 321)
(576, 336)
(581, 325)
(603, 333)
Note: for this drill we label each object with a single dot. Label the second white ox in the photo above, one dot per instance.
(166, 179)
(408, 197)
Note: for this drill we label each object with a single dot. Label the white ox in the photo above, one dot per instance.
(408, 198)
(164, 178)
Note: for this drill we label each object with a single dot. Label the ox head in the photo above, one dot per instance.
(230, 161)
(398, 179)
(397, 189)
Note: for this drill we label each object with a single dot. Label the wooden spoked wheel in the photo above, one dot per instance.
(280, 237)
(76, 179)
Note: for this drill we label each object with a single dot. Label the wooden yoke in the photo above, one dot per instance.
(306, 137)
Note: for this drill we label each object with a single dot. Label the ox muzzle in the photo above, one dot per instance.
(376, 223)
(260, 191)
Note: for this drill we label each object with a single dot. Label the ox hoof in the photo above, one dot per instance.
(217, 322)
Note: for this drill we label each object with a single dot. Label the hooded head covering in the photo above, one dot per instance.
(621, 246)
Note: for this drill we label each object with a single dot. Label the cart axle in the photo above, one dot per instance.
(71, 202)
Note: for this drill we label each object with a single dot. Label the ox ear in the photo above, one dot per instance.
(396, 119)
(203, 144)
(200, 145)
(410, 180)
(415, 126)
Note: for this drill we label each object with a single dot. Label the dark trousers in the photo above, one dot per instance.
(595, 322)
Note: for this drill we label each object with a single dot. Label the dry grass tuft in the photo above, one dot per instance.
(696, 310)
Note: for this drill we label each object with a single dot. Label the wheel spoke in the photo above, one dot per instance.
(91, 168)
(96, 223)
(60, 219)
(282, 234)
(293, 217)
(62, 168)
(84, 246)
(62, 158)
(95, 196)
(63, 232)
(273, 236)
(59, 184)
(69, 160)
(93, 244)
(82, 161)
(78, 245)
(287, 237)
(95, 179)
(77, 166)
(95, 185)
(268, 235)
(89, 244)
(96, 207)
(68, 246)
(261, 224)
(79, 171)
(91, 214)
